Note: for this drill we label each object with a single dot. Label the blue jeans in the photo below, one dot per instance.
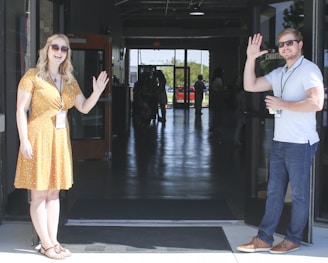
(289, 162)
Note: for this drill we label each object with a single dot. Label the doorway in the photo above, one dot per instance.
(91, 133)
(171, 172)
(180, 67)
(184, 93)
(260, 124)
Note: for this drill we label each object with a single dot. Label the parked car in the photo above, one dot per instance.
(169, 89)
(179, 94)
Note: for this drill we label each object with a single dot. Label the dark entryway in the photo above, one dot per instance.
(181, 160)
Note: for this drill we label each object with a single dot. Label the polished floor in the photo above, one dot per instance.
(180, 159)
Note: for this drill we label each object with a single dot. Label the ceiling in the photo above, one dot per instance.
(171, 18)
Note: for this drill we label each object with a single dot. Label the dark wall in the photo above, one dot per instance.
(15, 14)
(2, 47)
(96, 17)
(229, 55)
(2, 103)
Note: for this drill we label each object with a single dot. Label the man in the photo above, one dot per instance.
(298, 94)
(199, 94)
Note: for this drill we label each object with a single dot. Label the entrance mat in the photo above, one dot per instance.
(149, 209)
(143, 239)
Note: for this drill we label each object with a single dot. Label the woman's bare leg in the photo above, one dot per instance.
(42, 212)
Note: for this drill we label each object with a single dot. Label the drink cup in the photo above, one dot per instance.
(272, 111)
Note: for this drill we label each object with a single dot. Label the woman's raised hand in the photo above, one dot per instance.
(100, 83)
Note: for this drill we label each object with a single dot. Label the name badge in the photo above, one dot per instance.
(61, 119)
(278, 113)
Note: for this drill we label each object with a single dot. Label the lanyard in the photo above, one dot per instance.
(59, 91)
(282, 85)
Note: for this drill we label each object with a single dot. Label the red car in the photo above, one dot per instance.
(179, 95)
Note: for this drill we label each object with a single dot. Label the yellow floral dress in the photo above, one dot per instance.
(51, 166)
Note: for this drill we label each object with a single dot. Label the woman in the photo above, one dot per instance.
(44, 165)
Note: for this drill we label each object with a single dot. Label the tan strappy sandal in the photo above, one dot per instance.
(51, 252)
(64, 251)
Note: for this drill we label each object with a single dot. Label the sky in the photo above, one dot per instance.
(164, 57)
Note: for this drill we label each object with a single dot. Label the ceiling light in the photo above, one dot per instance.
(196, 11)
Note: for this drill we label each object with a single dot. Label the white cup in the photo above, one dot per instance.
(272, 111)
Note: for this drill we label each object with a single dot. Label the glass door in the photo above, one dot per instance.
(183, 93)
(271, 19)
(91, 132)
(321, 213)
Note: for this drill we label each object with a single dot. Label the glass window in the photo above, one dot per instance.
(274, 18)
(323, 181)
(87, 63)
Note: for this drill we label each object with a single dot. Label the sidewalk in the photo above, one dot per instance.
(15, 245)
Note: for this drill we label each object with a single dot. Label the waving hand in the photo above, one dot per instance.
(254, 45)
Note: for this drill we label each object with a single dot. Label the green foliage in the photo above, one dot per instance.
(195, 70)
(294, 16)
(267, 65)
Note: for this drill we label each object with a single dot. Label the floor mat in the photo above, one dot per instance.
(137, 209)
(143, 239)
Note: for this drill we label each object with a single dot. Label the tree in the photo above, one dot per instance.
(195, 70)
(294, 16)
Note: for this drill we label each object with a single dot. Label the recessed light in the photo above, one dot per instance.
(197, 13)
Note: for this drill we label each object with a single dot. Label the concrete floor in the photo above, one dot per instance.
(15, 246)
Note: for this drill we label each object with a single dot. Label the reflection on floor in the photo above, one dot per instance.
(179, 160)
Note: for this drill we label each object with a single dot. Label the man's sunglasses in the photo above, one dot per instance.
(288, 43)
(56, 48)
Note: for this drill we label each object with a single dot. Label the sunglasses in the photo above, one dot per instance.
(288, 43)
(56, 48)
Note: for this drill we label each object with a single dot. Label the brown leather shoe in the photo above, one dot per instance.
(256, 245)
(284, 247)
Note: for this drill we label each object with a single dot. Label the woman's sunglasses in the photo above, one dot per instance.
(288, 43)
(56, 48)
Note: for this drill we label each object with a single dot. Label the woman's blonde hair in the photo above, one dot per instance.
(65, 68)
